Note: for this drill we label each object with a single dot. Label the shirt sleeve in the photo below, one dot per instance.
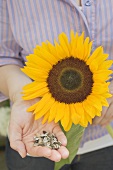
(9, 48)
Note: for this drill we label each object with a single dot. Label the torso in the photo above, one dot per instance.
(61, 17)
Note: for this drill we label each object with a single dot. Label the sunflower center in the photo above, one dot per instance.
(70, 80)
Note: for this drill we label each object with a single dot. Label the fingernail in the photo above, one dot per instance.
(58, 158)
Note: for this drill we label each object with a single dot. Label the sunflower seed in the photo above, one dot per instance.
(35, 144)
(36, 138)
(47, 139)
(38, 135)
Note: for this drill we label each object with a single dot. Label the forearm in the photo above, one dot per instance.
(12, 80)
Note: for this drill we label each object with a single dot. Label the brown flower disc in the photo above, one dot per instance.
(70, 80)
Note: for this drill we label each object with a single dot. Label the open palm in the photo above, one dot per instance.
(23, 127)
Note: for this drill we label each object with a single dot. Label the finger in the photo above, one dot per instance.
(106, 123)
(55, 156)
(15, 137)
(97, 120)
(106, 120)
(108, 116)
(38, 151)
(63, 152)
(60, 135)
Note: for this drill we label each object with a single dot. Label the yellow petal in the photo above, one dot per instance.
(83, 122)
(101, 75)
(80, 51)
(89, 109)
(53, 111)
(103, 100)
(80, 47)
(60, 112)
(34, 87)
(98, 112)
(35, 73)
(45, 109)
(38, 61)
(89, 50)
(45, 46)
(97, 52)
(60, 52)
(46, 55)
(43, 102)
(39, 115)
(74, 52)
(83, 125)
(80, 39)
(53, 51)
(36, 94)
(89, 119)
(64, 44)
(72, 37)
(100, 88)
(68, 126)
(32, 108)
(107, 95)
(73, 44)
(37, 66)
(67, 42)
(94, 65)
(30, 85)
(79, 109)
(86, 48)
(45, 118)
(95, 102)
(74, 116)
(106, 64)
(65, 120)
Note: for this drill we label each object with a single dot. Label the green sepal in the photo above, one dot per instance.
(74, 136)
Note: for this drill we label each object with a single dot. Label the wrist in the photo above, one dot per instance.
(11, 81)
(15, 93)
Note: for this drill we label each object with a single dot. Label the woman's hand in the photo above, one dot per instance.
(23, 127)
(107, 112)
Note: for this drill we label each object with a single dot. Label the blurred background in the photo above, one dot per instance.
(4, 119)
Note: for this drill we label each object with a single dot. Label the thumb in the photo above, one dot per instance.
(15, 138)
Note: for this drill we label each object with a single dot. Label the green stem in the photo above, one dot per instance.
(110, 130)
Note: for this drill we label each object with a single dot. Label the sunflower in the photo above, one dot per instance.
(70, 80)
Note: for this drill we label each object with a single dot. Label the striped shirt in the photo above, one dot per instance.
(25, 23)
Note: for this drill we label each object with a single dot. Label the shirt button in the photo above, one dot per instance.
(88, 3)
